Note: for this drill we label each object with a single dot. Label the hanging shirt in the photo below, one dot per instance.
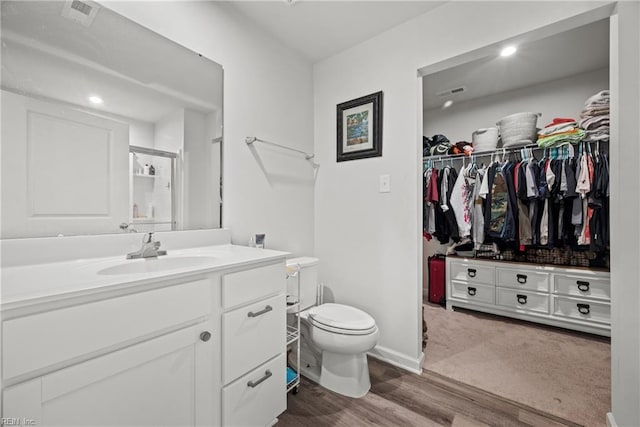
(499, 205)
(477, 218)
(460, 198)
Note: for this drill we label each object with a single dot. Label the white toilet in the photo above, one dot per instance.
(335, 337)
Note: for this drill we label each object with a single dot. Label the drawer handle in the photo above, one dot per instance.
(522, 299)
(583, 308)
(471, 291)
(522, 278)
(583, 286)
(205, 336)
(253, 384)
(258, 313)
(471, 272)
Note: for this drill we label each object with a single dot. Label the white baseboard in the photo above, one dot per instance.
(611, 422)
(398, 359)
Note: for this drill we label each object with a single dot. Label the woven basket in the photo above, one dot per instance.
(485, 139)
(518, 129)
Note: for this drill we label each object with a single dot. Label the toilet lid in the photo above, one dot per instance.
(342, 318)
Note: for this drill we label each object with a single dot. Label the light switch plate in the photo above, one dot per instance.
(385, 183)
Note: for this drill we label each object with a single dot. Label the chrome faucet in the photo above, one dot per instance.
(150, 248)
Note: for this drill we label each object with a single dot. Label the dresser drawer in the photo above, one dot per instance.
(258, 397)
(523, 279)
(249, 285)
(473, 292)
(583, 286)
(576, 308)
(473, 273)
(526, 300)
(251, 335)
(44, 339)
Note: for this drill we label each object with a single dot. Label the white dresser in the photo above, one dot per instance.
(569, 297)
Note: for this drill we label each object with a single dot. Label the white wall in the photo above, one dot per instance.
(559, 98)
(202, 211)
(268, 94)
(141, 134)
(370, 242)
(625, 209)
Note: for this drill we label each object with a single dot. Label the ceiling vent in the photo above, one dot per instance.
(454, 91)
(83, 12)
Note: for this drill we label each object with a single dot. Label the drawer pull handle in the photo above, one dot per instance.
(258, 313)
(253, 384)
(471, 272)
(522, 299)
(471, 291)
(205, 336)
(522, 278)
(583, 308)
(583, 286)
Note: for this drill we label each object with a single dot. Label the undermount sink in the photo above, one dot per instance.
(154, 265)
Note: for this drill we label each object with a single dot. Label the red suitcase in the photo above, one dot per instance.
(436, 279)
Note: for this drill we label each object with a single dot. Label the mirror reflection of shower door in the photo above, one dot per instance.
(152, 189)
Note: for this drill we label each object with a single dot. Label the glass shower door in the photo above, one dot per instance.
(152, 195)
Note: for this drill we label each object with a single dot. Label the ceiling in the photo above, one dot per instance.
(319, 29)
(562, 55)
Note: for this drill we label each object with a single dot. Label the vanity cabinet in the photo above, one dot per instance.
(142, 358)
(568, 297)
(161, 381)
(253, 346)
(196, 349)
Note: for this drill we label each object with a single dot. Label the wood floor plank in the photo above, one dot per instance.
(399, 398)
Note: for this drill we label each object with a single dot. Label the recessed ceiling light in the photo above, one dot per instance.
(508, 51)
(447, 104)
(95, 99)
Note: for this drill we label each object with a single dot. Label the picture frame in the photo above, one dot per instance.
(359, 130)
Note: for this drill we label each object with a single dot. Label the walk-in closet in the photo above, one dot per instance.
(516, 220)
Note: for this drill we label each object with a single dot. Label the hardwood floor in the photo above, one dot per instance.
(399, 398)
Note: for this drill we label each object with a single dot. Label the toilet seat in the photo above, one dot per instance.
(341, 319)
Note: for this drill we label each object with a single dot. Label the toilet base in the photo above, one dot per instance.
(346, 374)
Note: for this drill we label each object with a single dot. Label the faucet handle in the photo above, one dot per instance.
(148, 237)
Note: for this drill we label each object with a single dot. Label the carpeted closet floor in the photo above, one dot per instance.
(561, 372)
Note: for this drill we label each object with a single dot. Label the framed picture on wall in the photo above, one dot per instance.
(360, 128)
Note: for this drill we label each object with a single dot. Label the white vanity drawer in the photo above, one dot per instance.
(251, 335)
(248, 285)
(473, 292)
(45, 339)
(244, 405)
(523, 279)
(583, 286)
(513, 298)
(474, 273)
(582, 309)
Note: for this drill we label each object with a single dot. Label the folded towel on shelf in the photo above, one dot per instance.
(560, 131)
(594, 118)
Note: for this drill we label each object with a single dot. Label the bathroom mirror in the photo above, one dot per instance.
(107, 127)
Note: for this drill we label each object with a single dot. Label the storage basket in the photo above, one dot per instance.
(518, 129)
(485, 139)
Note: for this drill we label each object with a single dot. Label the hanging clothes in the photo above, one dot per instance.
(477, 219)
(460, 202)
(556, 202)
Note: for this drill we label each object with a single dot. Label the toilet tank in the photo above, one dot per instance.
(308, 276)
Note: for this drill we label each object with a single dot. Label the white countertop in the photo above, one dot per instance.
(26, 285)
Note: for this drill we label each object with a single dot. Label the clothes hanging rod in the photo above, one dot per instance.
(485, 153)
(251, 139)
